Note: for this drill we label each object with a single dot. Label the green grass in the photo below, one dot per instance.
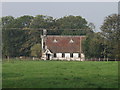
(59, 74)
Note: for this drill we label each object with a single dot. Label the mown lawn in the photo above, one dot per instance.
(59, 74)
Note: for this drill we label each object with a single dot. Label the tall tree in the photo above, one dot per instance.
(14, 35)
(77, 25)
(111, 33)
(7, 20)
(34, 32)
(6, 36)
(93, 46)
(41, 21)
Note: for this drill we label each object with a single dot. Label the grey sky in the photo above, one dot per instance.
(94, 12)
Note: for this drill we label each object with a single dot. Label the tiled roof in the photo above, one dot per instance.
(64, 44)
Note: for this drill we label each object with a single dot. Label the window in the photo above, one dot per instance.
(71, 54)
(63, 54)
(54, 54)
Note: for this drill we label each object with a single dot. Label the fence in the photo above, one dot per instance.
(35, 59)
(101, 59)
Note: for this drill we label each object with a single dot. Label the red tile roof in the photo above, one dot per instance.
(64, 44)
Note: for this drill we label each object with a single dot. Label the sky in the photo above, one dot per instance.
(94, 12)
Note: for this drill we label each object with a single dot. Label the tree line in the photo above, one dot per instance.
(21, 35)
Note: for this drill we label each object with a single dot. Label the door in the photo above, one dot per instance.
(48, 56)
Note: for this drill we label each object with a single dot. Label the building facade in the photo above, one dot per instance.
(56, 47)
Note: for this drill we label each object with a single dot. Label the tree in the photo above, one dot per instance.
(6, 36)
(73, 25)
(111, 33)
(7, 20)
(43, 22)
(36, 50)
(92, 26)
(22, 22)
(93, 46)
(13, 35)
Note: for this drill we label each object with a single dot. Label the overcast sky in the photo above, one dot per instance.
(94, 12)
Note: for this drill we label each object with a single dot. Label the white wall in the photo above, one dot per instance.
(67, 55)
(82, 57)
(75, 55)
(59, 55)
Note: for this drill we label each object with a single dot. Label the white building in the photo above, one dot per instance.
(55, 47)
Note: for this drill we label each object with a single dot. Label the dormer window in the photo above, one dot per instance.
(71, 41)
(55, 41)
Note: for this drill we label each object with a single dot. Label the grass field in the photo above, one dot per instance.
(59, 74)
